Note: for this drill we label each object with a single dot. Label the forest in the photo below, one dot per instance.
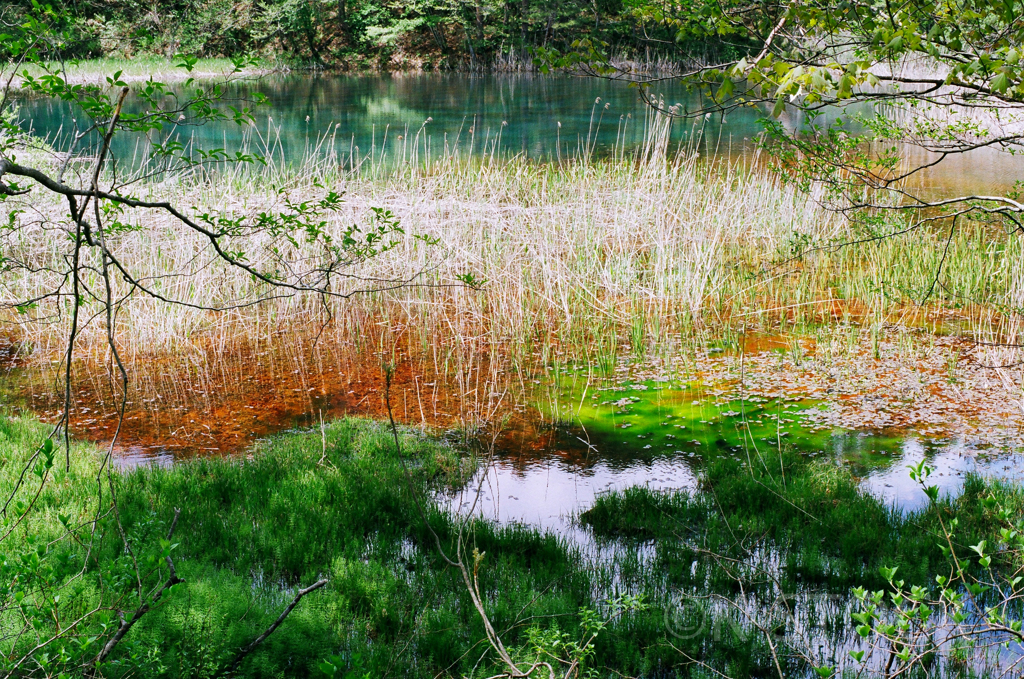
(356, 35)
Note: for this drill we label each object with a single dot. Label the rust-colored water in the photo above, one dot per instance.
(217, 400)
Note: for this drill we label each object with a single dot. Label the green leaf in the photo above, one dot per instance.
(780, 106)
(471, 280)
(725, 90)
(1000, 83)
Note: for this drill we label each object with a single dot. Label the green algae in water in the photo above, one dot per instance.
(654, 419)
(629, 422)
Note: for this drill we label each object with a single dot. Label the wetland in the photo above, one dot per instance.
(643, 409)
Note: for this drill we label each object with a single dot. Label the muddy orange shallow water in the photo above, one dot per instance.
(913, 394)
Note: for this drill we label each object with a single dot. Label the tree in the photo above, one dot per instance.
(859, 96)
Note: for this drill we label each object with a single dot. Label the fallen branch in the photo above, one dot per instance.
(144, 607)
(270, 630)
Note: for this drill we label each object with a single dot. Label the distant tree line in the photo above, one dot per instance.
(431, 34)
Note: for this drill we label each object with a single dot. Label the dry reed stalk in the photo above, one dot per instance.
(565, 248)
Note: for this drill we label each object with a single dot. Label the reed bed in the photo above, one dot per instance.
(651, 258)
(634, 244)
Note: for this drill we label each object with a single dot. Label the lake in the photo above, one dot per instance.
(396, 118)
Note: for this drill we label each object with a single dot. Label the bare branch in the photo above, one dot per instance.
(241, 655)
(144, 607)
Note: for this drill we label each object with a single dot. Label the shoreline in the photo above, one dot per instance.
(143, 68)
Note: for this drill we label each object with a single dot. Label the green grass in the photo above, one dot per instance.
(338, 505)
(810, 512)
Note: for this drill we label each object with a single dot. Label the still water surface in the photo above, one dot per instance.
(383, 119)
(541, 117)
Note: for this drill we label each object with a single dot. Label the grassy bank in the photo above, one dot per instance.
(337, 504)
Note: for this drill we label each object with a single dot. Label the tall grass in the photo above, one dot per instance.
(583, 259)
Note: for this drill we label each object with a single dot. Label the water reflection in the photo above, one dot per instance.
(391, 118)
(952, 461)
(549, 493)
(541, 117)
(548, 489)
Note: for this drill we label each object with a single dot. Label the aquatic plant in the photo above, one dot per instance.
(975, 603)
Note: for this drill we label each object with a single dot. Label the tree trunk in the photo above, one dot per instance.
(524, 8)
(439, 39)
(469, 43)
(343, 18)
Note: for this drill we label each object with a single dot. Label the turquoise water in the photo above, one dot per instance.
(541, 117)
(395, 118)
